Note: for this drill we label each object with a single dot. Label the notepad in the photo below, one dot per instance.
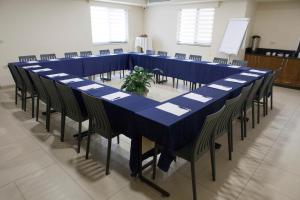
(234, 66)
(173, 109)
(57, 75)
(72, 80)
(31, 66)
(53, 59)
(235, 80)
(257, 71)
(198, 97)
(115, 96)
(42, 70)
(212, 63)
(220, 87)
(249, 74)
(32, 61)
(90, 87)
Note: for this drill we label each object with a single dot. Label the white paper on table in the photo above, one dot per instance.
(91, 55)
(198, 97)
(31, 66)
(155, 55)
(90, 87)
(172, 57)
(234, 66)
(235, 80)
(76, 57)
(212, 63)
(57, 75)
(115, 96)
(173, 109)
(220, 87)
(189, 60)
(72, 80)
(32, 61)
(42, 70)
(249, 74)
(257, 71)
(54, 59)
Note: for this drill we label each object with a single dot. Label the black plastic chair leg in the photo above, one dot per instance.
(194, 180)
(48, 117)
(88, 146)
(62, 127)
(79, 137)
(32, 109)
(253, 116)
(37, 109)
(108, 156)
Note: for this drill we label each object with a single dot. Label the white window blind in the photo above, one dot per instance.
(108, 24)
(196, 26)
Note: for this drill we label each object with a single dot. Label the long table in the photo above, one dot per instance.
(137, 116)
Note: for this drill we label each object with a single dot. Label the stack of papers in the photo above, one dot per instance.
(212, 63)
(235, 80)
(198, 97)
(115, 96)
(249, 74)
(220, 87)
(72, 80)
(234, 66)
(53, 59)
(57, 75)
(42, 70)
(32, 66)
(90, 87)
(257, 71)
(32, 61)
(173, 109)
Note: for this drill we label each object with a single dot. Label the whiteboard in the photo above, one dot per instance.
(234, 35)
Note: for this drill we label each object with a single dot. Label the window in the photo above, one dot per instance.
(196, 26)
(108, 24)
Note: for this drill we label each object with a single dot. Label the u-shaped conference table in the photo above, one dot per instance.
(172, 123)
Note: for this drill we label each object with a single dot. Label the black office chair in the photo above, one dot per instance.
(72, 110)
(48, 56)
(85, 53)
(28, 88)
(162, 53)
(195, 57)
(99, 123)
(104, 52)
(18, 83)
(220, 60)
(27, 58)
(250, 103)
(242, 63)
(269, 93)
(41, 95)
(71, 54)
(119, 50)
(180, 56)
(150, 52)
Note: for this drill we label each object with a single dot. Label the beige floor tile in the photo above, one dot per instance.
(50, 183)
(10, 192)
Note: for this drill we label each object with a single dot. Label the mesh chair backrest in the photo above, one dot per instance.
(150, 52)
(220, 60)
(204, 138)
(119, 50)
(162, 53)
(85, 53)
(48, 56)
(72, 107)
(16, 76)
(195, 57)
(99, 121)
(263, 89)
(55, 98)
(27, 58)
(71, 54)
(104, 52)
(244, 95)
(253, 91)
(180, 55)
(40, 89)
(26, 79)
(230, 106)
(240, 63)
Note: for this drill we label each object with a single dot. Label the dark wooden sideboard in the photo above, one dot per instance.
(289, 76)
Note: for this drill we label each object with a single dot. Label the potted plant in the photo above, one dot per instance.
(138, 81)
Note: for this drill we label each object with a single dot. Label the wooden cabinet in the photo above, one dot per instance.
(288, 76)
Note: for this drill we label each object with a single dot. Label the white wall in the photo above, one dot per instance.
(278, 23)
(161, 25)
(52, 26)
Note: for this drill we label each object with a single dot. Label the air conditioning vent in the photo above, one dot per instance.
(157, 1)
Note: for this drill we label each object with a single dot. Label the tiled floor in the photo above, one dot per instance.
(35, 165)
